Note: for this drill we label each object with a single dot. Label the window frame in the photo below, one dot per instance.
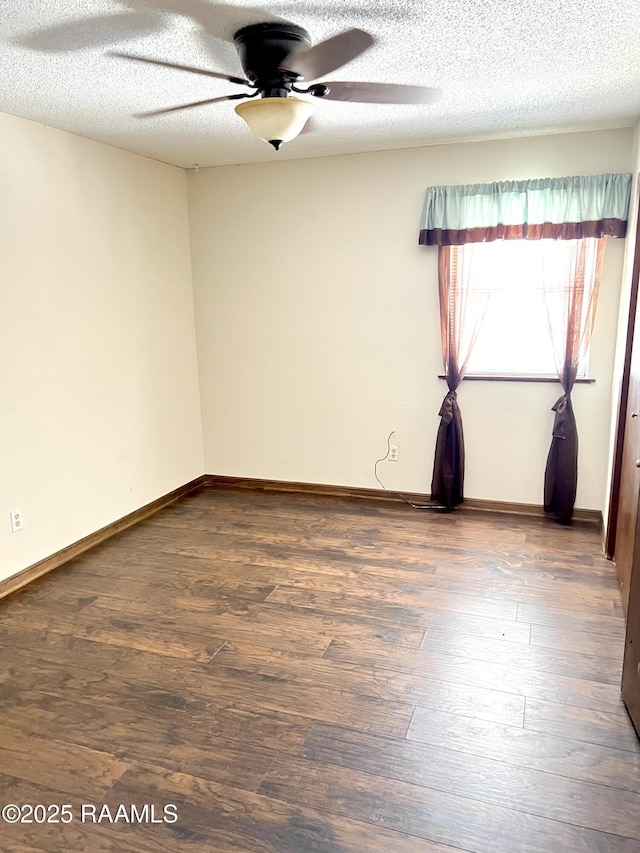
(505, 375)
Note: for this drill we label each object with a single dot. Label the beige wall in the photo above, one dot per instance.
(100, 409)
(317, 322)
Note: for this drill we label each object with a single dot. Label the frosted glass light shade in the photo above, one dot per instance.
(275, 120)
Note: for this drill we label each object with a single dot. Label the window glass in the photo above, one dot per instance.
(515, 336)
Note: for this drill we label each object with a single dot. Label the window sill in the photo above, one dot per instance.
(514, 377)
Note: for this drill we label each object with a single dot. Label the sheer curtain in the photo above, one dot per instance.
(462, 308)
(573, 292)
(581, 209)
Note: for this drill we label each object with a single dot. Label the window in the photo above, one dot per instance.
(520, 289)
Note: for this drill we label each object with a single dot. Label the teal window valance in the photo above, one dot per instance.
(544, 208)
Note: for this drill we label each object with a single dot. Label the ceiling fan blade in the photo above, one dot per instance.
(166, 110)
(328, 55)
(380, 93)
(97, 31)
(239, 80)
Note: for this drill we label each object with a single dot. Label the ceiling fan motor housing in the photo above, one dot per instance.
(264, 50)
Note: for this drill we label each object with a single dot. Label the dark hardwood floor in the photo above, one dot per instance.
(301, 674)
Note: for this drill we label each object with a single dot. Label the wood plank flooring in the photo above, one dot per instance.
(306, 674)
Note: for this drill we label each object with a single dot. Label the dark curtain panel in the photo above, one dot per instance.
(461, 312)
(579, 294)
(447, 485)
(561, 473)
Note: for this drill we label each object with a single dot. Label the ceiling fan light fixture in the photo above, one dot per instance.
(275, 120)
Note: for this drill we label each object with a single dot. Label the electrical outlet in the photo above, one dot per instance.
(17, 521)
(394, 453)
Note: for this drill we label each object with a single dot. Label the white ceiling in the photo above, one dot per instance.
(506, 69)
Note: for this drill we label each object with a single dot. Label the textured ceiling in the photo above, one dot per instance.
(505, 69)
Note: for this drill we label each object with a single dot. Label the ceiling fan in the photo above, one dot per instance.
(276, 57)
